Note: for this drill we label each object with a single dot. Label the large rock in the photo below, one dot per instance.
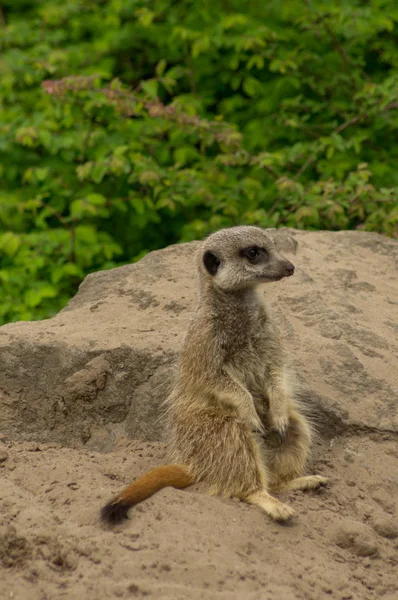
(99, 369)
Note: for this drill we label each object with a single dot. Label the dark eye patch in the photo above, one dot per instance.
(254, 254)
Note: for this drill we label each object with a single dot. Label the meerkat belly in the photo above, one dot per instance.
(251, 370)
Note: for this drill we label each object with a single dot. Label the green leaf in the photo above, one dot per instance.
(10, 243)
(65, 271)
(96, 199)
(330, 152)
(48, 291)
(86, 234)
(160, 67)
(150, 86)
(145, 16)
(250, 86)
(77, 209)
(33, 297)
(98, 172)
(138, 205)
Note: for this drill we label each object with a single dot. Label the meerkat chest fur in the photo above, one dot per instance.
(248, 337)
(233, 332)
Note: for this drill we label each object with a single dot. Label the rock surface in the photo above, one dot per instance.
(79, 418)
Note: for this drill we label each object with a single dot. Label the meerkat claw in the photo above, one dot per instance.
(275, 437)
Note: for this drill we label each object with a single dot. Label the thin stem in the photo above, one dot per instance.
(192, 81)
(55, 213)
(305, 166)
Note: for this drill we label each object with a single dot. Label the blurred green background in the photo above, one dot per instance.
(127, 125)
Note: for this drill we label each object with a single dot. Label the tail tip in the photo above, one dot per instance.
(114, 512)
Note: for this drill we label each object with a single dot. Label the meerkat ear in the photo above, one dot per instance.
(211, 262)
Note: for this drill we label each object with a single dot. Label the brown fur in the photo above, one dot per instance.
(233, 392)
(156, 479)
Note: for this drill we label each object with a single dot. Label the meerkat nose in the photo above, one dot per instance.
(289, 268)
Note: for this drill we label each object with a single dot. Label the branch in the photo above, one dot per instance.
(363, 115)
(125, 101)
(347, 123)
(339, 129)
(2, 17)
(274, 206)
(56, 214)
(304, 167)
(335, 42)
(191, 72)
(341, 50)
(270, 171)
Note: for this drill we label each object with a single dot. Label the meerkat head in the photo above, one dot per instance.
(241, 257)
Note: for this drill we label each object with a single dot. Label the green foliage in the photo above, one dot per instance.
(128, 125)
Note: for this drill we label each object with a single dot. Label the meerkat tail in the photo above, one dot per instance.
(176, 476)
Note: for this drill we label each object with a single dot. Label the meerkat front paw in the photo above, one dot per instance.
(281, 512)
(273, 438)
(277, 433)
(257, 427)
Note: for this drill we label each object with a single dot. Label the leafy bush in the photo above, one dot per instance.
(129, 125)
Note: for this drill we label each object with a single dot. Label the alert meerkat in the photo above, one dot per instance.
(232, 395)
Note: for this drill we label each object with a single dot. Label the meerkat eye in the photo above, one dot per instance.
(250, 253)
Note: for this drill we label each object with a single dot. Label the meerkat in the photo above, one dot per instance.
(232, 397)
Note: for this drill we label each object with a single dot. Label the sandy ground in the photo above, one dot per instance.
(343, 544)
(78, 391)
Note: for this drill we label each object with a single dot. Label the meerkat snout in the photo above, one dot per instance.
(289, 267)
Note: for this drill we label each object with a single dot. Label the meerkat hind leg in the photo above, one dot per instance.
(286, 463)
(307, 482)
(276, 509)
(230, 460)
